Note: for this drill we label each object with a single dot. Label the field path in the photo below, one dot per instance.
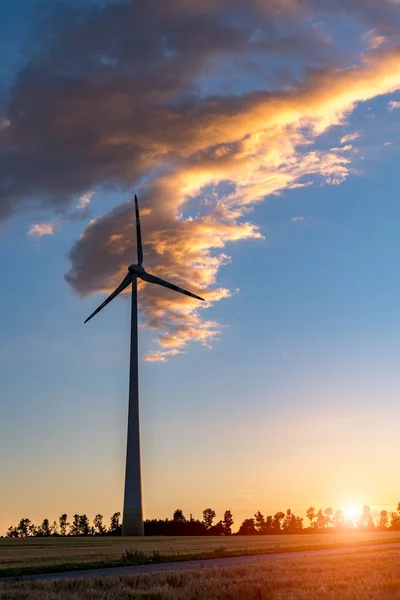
(212, 562)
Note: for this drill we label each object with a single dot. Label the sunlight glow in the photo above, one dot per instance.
(352, 512)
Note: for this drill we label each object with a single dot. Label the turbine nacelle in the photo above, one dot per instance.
(136, 270)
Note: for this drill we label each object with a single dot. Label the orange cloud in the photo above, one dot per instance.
(160, 356)
(393, 105)
(39, 229)
(350, 137)
(227, 159)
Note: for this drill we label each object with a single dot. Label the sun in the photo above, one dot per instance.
(352, 512)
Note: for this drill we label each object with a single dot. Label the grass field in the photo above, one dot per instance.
(30, 555)
(356, 577)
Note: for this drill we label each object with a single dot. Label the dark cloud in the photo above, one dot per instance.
(106, 89)
(118, 95)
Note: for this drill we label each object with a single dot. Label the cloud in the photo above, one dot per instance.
(157, 110)
(82, 210)
(159, 356)
(393, 105)
(39, 229)
(85, 200)
(350, 137)
(374, 40)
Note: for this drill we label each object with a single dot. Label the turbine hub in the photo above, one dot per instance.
(136, 269)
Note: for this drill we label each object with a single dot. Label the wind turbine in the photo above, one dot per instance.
(132, 519)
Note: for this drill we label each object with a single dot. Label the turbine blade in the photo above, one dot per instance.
(153, 279)
(138, 234)
(120, 288)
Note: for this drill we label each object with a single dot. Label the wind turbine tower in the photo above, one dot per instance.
(132, 518)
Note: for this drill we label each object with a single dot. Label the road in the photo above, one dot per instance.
(212, 562)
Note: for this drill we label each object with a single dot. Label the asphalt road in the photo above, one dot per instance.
(212, 562)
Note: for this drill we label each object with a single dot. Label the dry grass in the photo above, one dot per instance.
(50, 552)
(355, 577)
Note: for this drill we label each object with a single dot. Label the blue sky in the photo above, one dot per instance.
(294, 405)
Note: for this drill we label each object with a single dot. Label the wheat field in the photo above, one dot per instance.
(50, 552)
(356, 577)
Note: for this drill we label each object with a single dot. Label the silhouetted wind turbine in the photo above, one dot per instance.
(132, 519)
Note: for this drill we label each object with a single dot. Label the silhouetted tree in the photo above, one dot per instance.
(179, 516)
(63, 521)
(208, 517)
(395, 520)
(276, 523)
(311, 516)
(286, 525)
(84, 525)
(299, 524)
(321, 520)
(338, 520)
(383, 520)
(291, 523)
(268, 525)
(98, 525)
(328, 517)
(228, 522)
(115, 526)
(217, 529)
(247, 528)
(259, 521)
(75, 526)
(23, 527)
(365, 521)
(45, 529)
(12, 532)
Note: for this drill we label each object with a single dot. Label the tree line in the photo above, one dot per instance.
(80, 526)
(319, 521)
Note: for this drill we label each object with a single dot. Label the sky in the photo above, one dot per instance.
(262, 139)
